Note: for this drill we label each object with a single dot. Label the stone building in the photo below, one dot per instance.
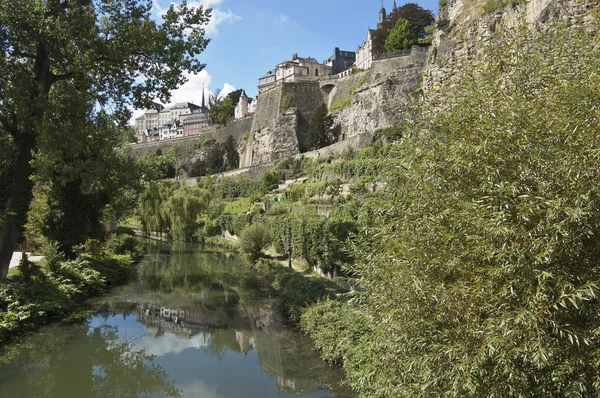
(295, 70)
(340, 61)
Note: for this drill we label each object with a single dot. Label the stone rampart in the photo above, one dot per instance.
(379, 97)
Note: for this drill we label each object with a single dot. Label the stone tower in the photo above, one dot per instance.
(382, 14)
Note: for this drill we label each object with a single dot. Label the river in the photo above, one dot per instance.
(194, 324)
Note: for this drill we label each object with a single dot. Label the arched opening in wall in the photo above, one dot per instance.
(316, 72)
(328, 88)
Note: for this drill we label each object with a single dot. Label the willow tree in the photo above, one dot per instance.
(114, 51)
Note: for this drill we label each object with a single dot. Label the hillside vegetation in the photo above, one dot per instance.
(472, 229)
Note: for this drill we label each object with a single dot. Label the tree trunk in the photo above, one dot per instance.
(17, 204)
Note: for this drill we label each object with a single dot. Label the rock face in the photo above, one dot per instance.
(277, 140)
(280, 123)
(463, 25)
(378, 98)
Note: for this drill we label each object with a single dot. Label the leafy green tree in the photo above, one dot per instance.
(401, 37)
(320, 132)
(231, 153)
(51, 49)
(418, 17)
(484, 280)
(222, 111)
(254, 239)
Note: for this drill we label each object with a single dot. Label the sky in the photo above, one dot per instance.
(249, 38)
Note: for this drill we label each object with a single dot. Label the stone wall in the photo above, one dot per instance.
(379, 97)
(306, 97)
(280, 123)
(236, 128)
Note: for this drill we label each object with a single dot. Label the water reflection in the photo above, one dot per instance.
(197, 324)
(94, 363)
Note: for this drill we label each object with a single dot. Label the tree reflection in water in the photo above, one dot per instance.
(94, 363)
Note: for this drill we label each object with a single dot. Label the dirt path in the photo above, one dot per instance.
(16, 259)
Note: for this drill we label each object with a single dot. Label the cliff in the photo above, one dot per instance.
(464, 25)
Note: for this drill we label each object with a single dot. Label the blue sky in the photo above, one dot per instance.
(248, 38)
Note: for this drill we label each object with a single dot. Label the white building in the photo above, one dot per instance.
(364, 54)
(294, 70)
(241, 109)
(171, 129)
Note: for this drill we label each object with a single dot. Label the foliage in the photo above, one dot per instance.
(321, 132)
(339, 103)
(222, 111)
(296, 291)
(165, 207)
(286, 102)
(418, 18)
(336, 328)
(428, 37)
(39, 293)
(491, 6)
(483, 281)
(401, 36)
(254, 239)
(64, 70)
(232, 155)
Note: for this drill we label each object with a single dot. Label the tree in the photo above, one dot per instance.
(418, 17)
(320, 132)
(231, 153)
(401, 37)
(222, 111)
(484, 280)
(112, 51)
(254, 239)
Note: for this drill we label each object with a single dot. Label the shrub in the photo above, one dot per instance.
(254, 239)
(335, 327)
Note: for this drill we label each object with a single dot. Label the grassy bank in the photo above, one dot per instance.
(56, 288)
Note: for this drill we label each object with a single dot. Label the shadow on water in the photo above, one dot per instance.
(195, 324)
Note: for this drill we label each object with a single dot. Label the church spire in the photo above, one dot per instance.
(395, 7)
(382, 14)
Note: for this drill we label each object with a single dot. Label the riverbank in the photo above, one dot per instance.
(56, 288)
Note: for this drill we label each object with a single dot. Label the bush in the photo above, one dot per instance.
(254, 239)
(335, 328)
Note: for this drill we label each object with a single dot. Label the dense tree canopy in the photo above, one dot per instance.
(111, 53)
(418, 18)
(401, 36)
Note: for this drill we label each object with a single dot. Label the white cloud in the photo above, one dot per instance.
(227, 88)
(281, 18)
(170, 343)
(219, 16)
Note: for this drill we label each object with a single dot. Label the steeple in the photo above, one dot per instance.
(395, 7)
(203, 102)
(382, 13)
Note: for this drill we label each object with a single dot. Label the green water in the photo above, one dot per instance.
(194, 324)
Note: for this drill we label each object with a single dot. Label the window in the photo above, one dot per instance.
(316, 72)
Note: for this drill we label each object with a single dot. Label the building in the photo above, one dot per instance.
(340, 61)
(364, 53)
(294, 70)
(171, 129)
(252, 103)
(149, 120)
(243, 107)
(195, 123)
